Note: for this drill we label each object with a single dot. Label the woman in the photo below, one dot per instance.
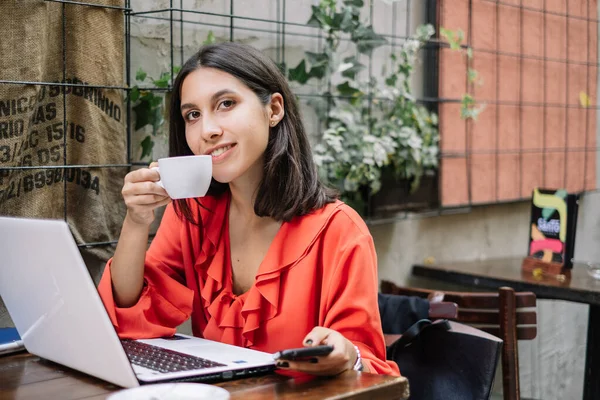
(268, 259)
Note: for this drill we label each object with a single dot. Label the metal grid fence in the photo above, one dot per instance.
(182, 15)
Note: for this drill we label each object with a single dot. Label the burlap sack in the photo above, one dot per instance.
(32, 117)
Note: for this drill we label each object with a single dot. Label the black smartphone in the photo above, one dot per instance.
(303, 353)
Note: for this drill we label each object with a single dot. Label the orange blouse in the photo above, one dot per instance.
(320, 270)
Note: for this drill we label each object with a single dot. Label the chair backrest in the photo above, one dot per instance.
(498, 313)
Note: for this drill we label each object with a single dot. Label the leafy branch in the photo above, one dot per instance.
(469, 108)
(369, 126)
(149, 107)
(335, 23)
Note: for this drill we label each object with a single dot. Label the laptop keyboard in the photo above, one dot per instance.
(163, 360)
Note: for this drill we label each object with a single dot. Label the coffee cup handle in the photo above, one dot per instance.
(159, 183)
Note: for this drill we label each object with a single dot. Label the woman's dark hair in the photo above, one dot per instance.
(290, 185)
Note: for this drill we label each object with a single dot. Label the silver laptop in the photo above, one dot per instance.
(58, 313)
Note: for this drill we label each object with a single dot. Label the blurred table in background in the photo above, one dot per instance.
(579, 287)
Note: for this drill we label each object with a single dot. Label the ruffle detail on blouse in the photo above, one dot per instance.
(238, 317)
(213, 216)
(261, 305)
(230, 313)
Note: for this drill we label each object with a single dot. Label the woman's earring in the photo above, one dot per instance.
(273, 123)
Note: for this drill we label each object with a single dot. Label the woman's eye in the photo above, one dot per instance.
(192, 115)
(226, 104)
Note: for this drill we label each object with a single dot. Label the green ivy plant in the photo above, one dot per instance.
(469, 109)
(392, 131)
(149, 106)
(335, 23)
(369, 126)
(413, 127)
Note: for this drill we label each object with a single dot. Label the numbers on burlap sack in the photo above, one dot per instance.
(29, 182)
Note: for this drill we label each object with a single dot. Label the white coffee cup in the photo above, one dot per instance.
(186, 176)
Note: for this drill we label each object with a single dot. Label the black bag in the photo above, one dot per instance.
(447, 360)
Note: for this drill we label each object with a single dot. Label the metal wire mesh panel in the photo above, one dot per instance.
(168, 32)
(537, 60)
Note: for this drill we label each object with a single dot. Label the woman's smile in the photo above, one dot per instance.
(221, 152)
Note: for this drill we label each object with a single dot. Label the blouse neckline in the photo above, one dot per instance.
(259, 303)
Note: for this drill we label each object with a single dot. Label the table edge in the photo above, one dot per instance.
(472, 279)
(384, 385)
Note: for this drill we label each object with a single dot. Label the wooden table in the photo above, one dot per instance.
(580, 288)
(24, 376)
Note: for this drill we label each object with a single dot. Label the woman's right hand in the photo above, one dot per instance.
(143, 195)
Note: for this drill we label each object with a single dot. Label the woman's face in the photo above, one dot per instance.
(225, 119)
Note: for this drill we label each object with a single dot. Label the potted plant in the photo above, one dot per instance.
(373, 130)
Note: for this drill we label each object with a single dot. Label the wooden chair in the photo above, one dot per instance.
(497, 313)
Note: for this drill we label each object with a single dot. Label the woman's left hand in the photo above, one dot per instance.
(342, 357)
